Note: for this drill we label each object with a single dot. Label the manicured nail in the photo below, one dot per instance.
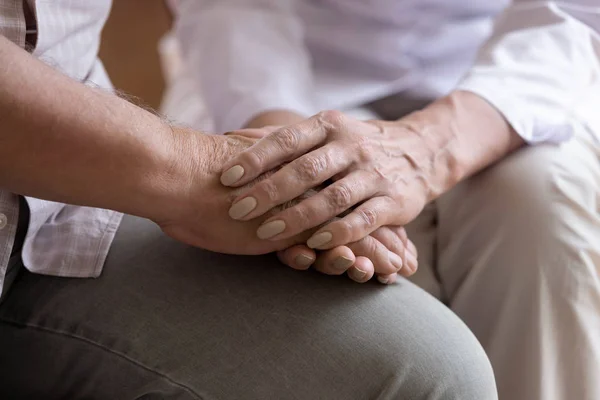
(319, 240)
(383, 280)
(232, 175)
(242, 207)
(304, 261)
(342, 263)
(270, 229)
(396, 260)
(359, 273)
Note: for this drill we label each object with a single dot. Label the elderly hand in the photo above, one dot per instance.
(385, 253)
(381, 167)
(195, 209)
(360, 260)
(388, 171)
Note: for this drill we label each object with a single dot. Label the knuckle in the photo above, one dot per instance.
(370, 247)
(364, 148)
(308, 168)
(331, 117)
(395, 246)
(300, 216)
(340, 197)
(368, 217)
(287, 139)
(253, 159)
(343, 231)
(268, 190)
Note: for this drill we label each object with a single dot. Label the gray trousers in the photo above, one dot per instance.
(167, 321)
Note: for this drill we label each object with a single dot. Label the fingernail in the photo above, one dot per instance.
(342, 263)
(396, 260)
(242, 207)
(232, 175)
(383, 280)
(319, 240)
(270, 229)
(303, 260)
(359, 273)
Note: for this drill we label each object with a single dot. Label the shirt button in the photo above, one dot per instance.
(3, 221)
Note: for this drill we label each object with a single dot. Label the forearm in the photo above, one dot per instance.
(462, 134)
(63, 141)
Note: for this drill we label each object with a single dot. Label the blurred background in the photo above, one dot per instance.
(129, 48)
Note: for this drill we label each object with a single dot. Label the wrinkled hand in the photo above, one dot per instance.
(360, 260)
(196, 212)
(379, 167)
(386, 252)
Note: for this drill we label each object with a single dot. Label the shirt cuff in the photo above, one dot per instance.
(534, 120)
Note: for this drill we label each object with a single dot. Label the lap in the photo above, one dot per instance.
(542, 202)
(178, 322)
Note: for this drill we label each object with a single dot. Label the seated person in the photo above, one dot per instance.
(482, 135)
(165, 320)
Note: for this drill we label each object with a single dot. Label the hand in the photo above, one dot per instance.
(360, 260)
(195, 208)
(388, 170)
(381, 165)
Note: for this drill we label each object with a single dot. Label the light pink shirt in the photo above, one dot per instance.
(62, 240)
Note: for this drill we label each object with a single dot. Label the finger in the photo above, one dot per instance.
(412, 248)
(387, 279)
(362, 270)
(291, 181)
(385, 262)
(412, 261)
(299, 257)
(335, 261)
(358, 224)
(392, 239)
(315, 210)
(285, 144)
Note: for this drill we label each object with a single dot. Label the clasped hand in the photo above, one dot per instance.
(378, 179)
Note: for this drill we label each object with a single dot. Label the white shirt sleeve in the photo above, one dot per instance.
(246, 56)
(541, 69)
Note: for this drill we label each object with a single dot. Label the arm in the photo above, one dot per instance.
(61, 140)
(258, 59)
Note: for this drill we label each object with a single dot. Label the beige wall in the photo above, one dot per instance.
(129, 47)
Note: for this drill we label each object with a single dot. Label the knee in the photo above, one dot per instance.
(441, 359)
(451, 369)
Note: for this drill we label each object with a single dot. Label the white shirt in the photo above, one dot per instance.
(539, 65)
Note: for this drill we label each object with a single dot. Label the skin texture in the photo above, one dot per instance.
(84, 146)
(235, 234)
(383, 253)
(388, 170)
(63, 141)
